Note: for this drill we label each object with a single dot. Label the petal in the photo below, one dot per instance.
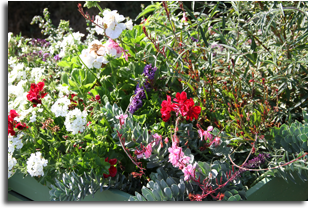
(210, 128)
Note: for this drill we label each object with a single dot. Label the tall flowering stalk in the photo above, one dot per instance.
(140, 91)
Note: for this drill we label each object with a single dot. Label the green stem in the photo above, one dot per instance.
(90, 71)
(101, 10)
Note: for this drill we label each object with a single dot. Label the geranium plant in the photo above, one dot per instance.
(197, 102)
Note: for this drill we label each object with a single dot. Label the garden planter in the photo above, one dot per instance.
(277, 189)
(28, 189)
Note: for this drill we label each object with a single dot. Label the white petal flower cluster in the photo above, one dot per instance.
(75, 121)
(14, 142)
(11, 163)
(68, 41)
(35, 164)
(96, 54)
(111, 24)
(61, 107)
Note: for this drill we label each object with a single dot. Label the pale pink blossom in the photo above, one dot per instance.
(148, 150)
(113, 48)
(216, 141)
(158, 138)
(206, 134)
(122, 119)
(189, 171)
(177, 156)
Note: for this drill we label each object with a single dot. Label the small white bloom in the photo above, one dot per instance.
(33, 117)
(75, 121)
(11, 163)
(14, 142)
(35, 164)
(61, 107)
(87, 58)
(129, 25)
(9, 36)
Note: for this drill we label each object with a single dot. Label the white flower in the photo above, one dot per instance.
(61, 107)
(14, 142)
(99, 21)
(112, 22)
(33, 117)
(9, 36)
(37, 74)
(129, 24)
(87, 58)
(63, 90)
(75, 121)
(11, 163)
(35, 164)
(114, 32)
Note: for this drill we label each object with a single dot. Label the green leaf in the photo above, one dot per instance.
(235, 198)
(168, 192)
(175, 190)
(64, 78)
(148, 9)
(148, 194)
(64, 64)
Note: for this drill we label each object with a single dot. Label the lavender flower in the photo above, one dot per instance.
(137, 102)
(194, 39)
(56, 57)
(257, 161)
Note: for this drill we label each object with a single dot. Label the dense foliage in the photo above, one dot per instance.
(195, 103)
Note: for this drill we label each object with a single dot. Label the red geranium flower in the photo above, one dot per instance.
(21, 126)
(112, 169)
(36, 93)
(193, 111)
(166, 109)
(183, 105)
(11, 123)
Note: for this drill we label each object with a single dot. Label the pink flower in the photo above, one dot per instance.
(206, 134)
(216, 141)
(166, 140)
(122, 119)
(145, 151)
(177, 156)
(112, 45)
(148, 151)
(158, 138)
(189, 171)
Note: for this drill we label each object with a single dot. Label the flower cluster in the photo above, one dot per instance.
(61, 107)
(36, 93)
(178, 159)
(35, 164)
(183, 106)
(11, 163)
(12, 123)
(14, 142)
(39, 42)
(111, 25)
(75, 121)
(139, 94)
(144, 151)
(208, 136)
(257, 161)
(97, 53)
(112, 169)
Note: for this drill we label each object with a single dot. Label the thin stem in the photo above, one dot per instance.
(266, 169)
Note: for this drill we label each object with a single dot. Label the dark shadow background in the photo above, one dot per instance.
(20, 14)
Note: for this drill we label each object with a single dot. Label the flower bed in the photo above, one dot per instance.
(203, 102)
